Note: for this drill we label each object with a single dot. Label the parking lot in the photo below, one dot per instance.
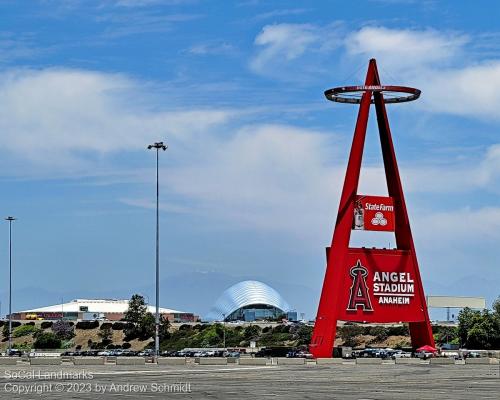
(310, 381)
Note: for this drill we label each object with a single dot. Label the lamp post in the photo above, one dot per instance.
(157, 146)
(224, 330)
(10, 219)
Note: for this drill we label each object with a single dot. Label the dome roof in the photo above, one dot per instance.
(243, 294)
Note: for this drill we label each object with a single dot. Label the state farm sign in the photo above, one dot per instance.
(373, 213)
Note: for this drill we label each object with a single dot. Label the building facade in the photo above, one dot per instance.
(96, 309)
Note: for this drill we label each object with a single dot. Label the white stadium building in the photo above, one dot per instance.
(84, 309)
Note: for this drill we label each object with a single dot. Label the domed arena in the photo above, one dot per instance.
(249, 301)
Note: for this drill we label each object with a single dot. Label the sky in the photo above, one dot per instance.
(251, 180)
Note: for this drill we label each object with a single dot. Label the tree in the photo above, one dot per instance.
(137, 318)
(137, 309)
(467, 318)
(164, 328)
(146, 327)
(445, 334)
(63, 330)
(106, 335)
(496, 307)
(479, 330)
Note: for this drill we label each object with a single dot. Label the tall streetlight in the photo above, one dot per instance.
(10, 219)
(224, 330)
(157, 146)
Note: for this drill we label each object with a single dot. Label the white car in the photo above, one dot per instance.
(424, 354)
(401, 354)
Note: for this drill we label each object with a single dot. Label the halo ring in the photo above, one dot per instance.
(391, 94)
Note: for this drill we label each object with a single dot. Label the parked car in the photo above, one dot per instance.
(367, 353)
(14, 353)
(304, 354)
(424, 354)
(146, 353)
(273, 352)
(400, 354)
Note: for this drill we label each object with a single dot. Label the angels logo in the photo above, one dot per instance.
(359, 291)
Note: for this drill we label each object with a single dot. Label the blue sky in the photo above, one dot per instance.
(251, 180)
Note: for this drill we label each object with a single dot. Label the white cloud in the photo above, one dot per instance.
(433, 61)
(463, 225)
(283, 40)
(400, 49)
(279, 44)
(282, 13)
(264, 176)
(61, 117)
(213, 48)
(472, 174)
(471, 91)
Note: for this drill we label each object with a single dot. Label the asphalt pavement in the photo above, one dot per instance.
(360, 382)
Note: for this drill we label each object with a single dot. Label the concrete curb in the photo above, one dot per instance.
(45, 361)
(329, 361)
(475, 361)
(171, 361)
(442, 361)
(130, 361)
(368, 361)
(290, 361)
(253, 361)
(8, 361)
(212, 361)
(414, 361)
(88, 360)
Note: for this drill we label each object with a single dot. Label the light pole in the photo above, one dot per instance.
(157, 146)
(224, 330)
(10, 219)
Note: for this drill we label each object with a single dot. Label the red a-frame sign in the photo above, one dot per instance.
(371, 285)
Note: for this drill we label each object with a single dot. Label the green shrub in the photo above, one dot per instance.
(126, 345)
(118, 326)
(380, 332)
(87, 325)
(22, 346)
(24, 330)
(67, 344)
(47, 340)
(398, 330)
(46, 324)
(106, 325)
(5, 330)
